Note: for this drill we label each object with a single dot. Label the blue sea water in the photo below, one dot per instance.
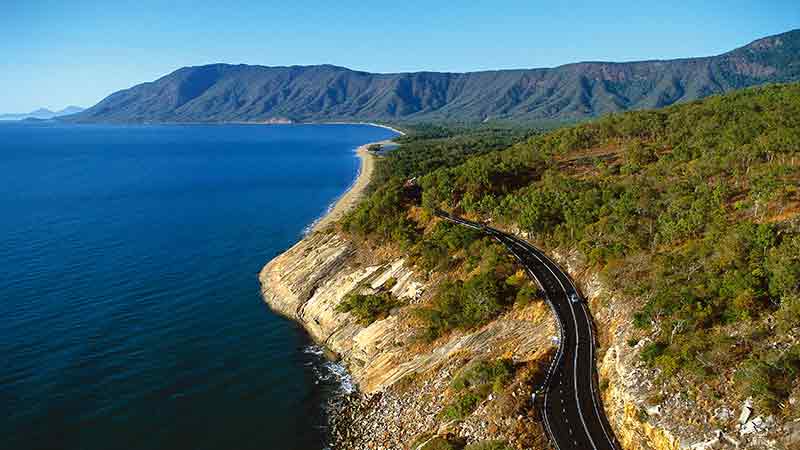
(130, 312)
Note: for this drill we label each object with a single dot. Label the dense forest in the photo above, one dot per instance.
(692, 210)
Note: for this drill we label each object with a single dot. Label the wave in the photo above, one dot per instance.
(329, 372)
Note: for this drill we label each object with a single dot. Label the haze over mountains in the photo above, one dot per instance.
(42, 113)
(225, 93)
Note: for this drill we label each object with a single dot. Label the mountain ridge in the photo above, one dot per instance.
(42, 113)
(574, 91)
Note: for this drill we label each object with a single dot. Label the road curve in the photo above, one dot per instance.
(569, 399)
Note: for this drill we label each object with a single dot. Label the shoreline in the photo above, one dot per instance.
(355, 193)
(372, 124)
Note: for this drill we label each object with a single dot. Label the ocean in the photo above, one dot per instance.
(131, 311)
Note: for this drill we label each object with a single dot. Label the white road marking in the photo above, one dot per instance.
(529, 249)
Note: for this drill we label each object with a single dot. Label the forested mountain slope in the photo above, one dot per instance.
(683, 226)
(221, 92)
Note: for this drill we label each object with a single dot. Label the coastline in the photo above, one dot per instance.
(356, 191)
(372, 124)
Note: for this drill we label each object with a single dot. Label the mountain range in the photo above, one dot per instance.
(248, 93)
(42, 113)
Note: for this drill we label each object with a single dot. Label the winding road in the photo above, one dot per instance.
(569, 398)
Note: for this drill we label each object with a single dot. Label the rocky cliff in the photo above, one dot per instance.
(649, 413)
(405, 381)
(403, 378)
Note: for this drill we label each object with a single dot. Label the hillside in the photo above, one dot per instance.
(221, 92)
(682, 228)
(42, 113)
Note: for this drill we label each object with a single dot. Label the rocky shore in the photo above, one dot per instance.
(403, 382)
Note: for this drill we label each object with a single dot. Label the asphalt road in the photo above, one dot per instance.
(569, 399)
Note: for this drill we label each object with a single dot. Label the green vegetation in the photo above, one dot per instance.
(488, 445)
(438, 248)
(494, 374)
(770, 376)
(430, 147)
(368, 307)
(436, 443)
(466, 304)
(462, 406)
(474, 382)
(491, 288)
(679, 213)
(442, 443)
(491, 284)
(692, 209)
(382, 215)
(224, 93)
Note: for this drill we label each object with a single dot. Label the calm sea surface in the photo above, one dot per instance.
(130, 314)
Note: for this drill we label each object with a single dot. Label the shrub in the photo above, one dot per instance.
(788, 315)
(668, 364)
(483, 300)
(368, 307)
(436, 443)
(390, 283)
(783, 264)
(466, 304)
(770, 377)
(527, 294)
(488, 445)
(436, 250)
(492, 373)
(382, 214)
(462, 406)
(691, 200)
(474, 382)
(652, 351)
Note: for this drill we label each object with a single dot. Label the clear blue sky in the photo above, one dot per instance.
(55, 53)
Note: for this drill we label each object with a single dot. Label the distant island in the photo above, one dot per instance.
(42, 114)
(573, 92)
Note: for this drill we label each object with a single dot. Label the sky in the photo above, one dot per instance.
(59, 53)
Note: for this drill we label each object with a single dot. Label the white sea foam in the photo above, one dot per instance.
(313, 350)
(338, 372)
(331, 372)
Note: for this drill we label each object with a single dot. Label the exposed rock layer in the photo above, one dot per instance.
(308, 281)
(646, 414)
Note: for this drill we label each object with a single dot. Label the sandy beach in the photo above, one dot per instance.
(356, 192)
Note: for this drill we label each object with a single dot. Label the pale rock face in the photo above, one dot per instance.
(673, 423)
(718, 442)
(308, 281)
(753, 426)
(747, 410)
(724, 414)
(792, 431)
(654, 410)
